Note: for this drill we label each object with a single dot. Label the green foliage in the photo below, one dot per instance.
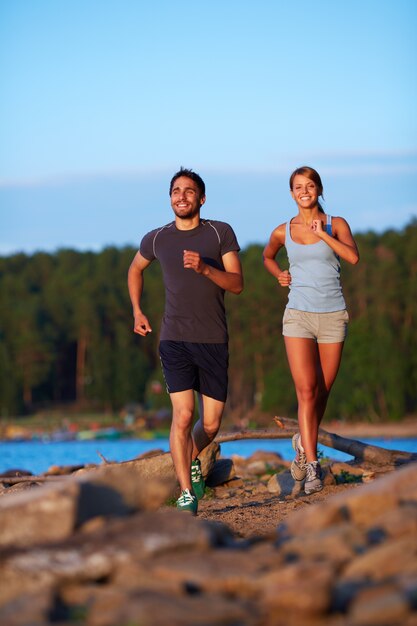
(78, 614)
(272, 470)
(66, 334)
(346, 477)
(321, 456)
(209, 493)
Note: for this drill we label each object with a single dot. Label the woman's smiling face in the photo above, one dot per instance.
(305, 192)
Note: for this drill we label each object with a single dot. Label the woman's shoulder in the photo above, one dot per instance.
(337, 220)
(279, 232)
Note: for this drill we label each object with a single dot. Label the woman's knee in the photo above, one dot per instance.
(323, 395)
(307, 394)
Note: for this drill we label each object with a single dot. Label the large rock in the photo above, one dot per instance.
(108, 552)
(361, 505)
(52, 512)
(303, 589)
(222, 471)
(380, 606)
(284, 485)
(160, 465)
(153, 608)
(43, 514)
(384, 561)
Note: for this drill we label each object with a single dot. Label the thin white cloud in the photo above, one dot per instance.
(360, 154)
(65, 178)
(335, 163)
(373, 169)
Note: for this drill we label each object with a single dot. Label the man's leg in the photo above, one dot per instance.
(212, 361)
(208, 424)
(180, 439)
(205, 429)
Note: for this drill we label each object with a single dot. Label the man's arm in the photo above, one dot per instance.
(229, 280)
(135, 286)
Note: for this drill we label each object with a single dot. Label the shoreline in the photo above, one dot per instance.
(392, 430)
(14, 430)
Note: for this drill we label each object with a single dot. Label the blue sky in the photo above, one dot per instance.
(103, 100)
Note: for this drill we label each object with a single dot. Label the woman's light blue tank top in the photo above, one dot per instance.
(315, 275)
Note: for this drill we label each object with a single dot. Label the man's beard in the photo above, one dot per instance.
(186, 216)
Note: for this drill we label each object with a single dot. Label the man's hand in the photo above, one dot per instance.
(193, 261)
(141, 326)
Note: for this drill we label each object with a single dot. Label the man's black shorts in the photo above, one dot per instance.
(199, 366)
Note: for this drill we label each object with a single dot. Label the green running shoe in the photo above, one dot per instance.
(187, 502)
(197, 480)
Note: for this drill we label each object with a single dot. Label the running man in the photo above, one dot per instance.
(200, 261)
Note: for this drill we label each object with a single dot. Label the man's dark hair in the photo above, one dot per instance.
(189, 174)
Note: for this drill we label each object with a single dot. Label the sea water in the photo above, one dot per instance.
(37, 456)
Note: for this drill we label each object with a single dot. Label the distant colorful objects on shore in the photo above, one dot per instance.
(17, 434)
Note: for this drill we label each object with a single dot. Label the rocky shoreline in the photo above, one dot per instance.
(103, 546)
(406, 428)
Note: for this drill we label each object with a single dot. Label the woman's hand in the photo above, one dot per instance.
(317, 227)
(284, 278)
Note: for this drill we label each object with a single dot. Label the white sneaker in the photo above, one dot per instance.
(298, 466)
(313, 480)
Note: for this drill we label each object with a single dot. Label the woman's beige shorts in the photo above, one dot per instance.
(323, 327)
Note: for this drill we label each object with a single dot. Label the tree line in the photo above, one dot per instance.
(66, 333)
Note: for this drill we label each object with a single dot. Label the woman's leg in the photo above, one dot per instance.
(313, 368)
(330, 356)
(303, 359)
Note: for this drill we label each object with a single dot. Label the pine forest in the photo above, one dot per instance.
(66, 334)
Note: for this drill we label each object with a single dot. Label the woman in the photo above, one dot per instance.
(315, 319)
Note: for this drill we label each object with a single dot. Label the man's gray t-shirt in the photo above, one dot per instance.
(194, 305)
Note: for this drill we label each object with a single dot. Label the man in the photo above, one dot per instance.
(199, 260)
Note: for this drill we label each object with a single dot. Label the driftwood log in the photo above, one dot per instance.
(361, 451)
(374, 455)
(14, 480)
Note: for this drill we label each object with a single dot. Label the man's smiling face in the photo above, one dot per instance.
(186, 198)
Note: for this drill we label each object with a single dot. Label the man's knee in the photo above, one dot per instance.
(203, 434)
(212, 428)
(183, 417)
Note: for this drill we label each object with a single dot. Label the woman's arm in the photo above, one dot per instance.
(342, 241)
(276, 242)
